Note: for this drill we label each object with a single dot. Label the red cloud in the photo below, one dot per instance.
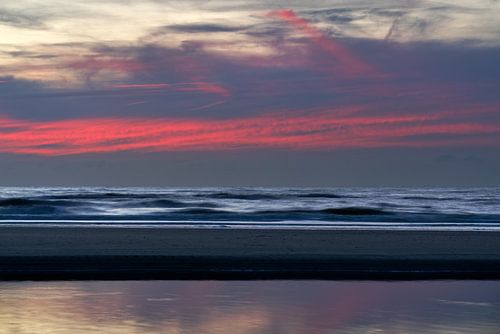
(347, 63)
(322, 130)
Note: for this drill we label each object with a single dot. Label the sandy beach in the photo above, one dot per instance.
(141, 253)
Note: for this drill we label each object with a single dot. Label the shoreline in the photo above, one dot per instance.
(53, 253)
(225, 225)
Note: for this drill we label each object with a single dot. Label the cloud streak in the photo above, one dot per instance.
(198, 86)
(346, 62)
(331, 129)
(200, 28)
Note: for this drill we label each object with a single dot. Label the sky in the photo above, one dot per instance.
(250, 93)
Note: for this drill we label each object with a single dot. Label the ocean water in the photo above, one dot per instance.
(310, 208)
(250, 307)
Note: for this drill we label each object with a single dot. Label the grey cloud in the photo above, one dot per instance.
(269, 31)
(21, 20)
(409, 19)
(200, 28)
(29, 54)
(337, 15)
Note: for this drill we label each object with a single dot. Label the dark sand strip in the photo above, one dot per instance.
(170, 253)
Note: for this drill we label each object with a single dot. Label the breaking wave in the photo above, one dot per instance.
(302, 205)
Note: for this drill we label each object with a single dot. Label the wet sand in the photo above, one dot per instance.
(175, 253)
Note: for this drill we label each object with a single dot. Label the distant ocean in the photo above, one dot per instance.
(307, 208)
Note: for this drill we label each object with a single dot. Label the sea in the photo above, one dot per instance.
(240, 207)
(260, 306)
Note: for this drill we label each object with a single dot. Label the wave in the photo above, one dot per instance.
(317, 195)
(336, 211)
(343, 211)
(158, 203)
(31, 210)
(28, 202)
(102, 196)
(355, 211)
(252, 205)
(201, 211)
(35, 207)
(9, 202)
(430, 198)
(263, 196)
(248, 197)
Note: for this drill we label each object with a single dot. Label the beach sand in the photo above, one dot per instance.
(175, 253)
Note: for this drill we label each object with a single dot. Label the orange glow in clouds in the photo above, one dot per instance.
(321, 130)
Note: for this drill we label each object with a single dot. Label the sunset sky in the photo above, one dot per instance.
(192, 92)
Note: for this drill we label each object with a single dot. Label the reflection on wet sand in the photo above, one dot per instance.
(250, 307)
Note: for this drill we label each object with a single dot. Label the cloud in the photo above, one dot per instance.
(299, 67)
(182, 82)
(329, 129)
(102, 63)
(346, 63)
(21, 20)
(204, 87)
(143, 86)
(200, 28)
